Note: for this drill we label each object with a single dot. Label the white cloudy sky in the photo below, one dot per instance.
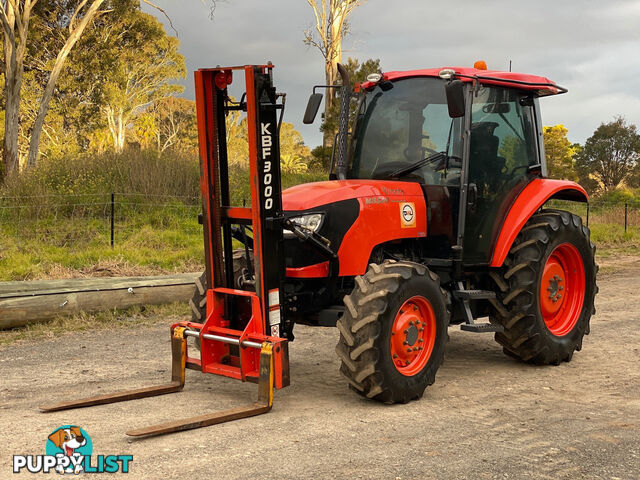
(591, 47)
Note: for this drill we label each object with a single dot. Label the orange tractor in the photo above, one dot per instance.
(433, 215)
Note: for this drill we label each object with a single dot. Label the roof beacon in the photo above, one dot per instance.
(480, 65)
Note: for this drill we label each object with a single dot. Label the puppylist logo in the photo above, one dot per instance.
(69, 449)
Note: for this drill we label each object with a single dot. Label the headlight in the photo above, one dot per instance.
(311, 222)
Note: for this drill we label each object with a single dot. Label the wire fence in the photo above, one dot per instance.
(107, 218)
(622, 214)
(111, 219)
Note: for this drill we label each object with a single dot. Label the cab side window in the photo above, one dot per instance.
(503, 142)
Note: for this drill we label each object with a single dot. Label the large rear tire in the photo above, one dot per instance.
(546, 289)
(393, 332)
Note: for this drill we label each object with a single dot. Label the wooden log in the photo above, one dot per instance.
(22, 303)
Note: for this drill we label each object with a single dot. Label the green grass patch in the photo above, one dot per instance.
(66, 248)
(611, 239)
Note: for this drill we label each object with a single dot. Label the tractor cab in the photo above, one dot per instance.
(403, 130)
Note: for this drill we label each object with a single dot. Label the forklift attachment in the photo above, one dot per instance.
(263, 405)
(241, 336)
(178, 358)
(178, 364)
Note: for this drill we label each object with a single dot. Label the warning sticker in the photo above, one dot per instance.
(407, 215)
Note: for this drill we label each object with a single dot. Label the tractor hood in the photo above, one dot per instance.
(312, 195)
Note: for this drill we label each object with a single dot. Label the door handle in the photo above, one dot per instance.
(472, 198)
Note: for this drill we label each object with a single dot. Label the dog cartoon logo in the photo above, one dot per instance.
(70, 441)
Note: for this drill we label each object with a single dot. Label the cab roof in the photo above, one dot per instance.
(541, 86)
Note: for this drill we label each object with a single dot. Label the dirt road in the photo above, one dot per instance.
(487, 416)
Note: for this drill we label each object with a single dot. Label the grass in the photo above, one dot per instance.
(611, 239)
(54, 220)
(130, 318)
(80, 247)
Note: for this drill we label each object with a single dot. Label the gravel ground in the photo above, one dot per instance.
(487, 415)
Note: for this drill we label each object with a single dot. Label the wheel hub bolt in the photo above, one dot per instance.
(405, 343)
(420, 340)
(415, 308)
(395, 355)
(409, 350)
(406, 331)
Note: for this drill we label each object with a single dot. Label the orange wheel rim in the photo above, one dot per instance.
(562, 289)
(413, 335)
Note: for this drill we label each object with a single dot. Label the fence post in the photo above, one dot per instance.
(625, 216)
(587, 214)
(112, 215)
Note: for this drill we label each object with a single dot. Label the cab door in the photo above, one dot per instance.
(503, 157)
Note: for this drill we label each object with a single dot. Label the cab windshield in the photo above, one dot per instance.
(406, 124)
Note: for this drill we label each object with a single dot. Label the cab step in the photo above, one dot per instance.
(474, 294)
(481, 327)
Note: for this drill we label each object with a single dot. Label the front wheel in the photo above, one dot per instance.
(393, 332)
(547, 289)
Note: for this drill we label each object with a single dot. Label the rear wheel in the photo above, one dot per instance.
(393, 332)
(547, 289)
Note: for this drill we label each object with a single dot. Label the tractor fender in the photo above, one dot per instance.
(532, 197)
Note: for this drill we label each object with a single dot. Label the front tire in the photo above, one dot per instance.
(546, 289)
(393, 332)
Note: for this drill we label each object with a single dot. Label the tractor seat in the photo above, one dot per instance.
(484, 151)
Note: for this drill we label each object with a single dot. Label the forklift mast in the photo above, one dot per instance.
(265, 215)
(220, 219)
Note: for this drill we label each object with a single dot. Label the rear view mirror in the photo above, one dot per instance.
(455, 98)
(312, 108)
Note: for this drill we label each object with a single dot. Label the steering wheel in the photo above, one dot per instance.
(429, 150)
(384, 170)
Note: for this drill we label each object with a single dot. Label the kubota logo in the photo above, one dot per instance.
(266, 143)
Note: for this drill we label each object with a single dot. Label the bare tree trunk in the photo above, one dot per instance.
(13, 82)
(120, 137)
(116, 129)
(14, 50)
(330, 27)
(75, 34)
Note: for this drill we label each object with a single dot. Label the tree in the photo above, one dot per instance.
(331, 26)
(16, 18)
(292, 148)
(610, 154)
(175, 119)
(559, 152)
(69, 16)
(142, 62)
